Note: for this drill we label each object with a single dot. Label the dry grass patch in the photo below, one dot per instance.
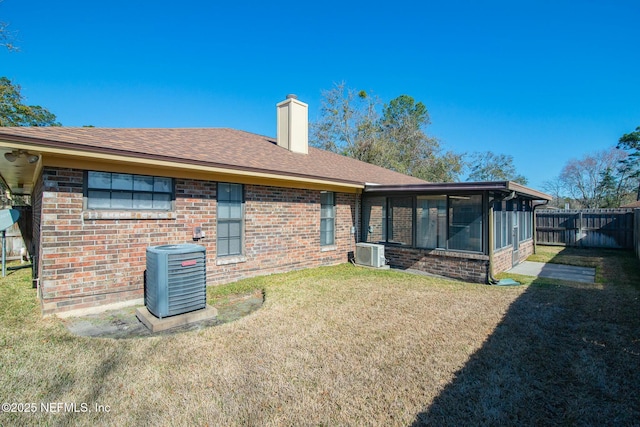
(566, 352)
(330, 346)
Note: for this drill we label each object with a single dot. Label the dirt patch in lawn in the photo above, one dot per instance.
(123, 323)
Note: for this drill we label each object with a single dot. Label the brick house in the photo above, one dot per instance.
(259, 205)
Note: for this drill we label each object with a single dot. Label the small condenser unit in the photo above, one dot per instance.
(370, 255)
(176, 279)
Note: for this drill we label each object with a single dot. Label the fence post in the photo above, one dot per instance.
(580, 232)
(636, 231)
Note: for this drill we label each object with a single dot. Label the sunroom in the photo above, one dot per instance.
(467, 231)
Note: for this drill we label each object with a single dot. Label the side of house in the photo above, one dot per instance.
(259, 206)
(89, 257)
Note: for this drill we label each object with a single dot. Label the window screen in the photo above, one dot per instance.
(400, 220)
(465, 223)
(431, 222)
(374, 219)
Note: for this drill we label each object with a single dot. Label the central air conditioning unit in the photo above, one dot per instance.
(176, 279)
(370, 255)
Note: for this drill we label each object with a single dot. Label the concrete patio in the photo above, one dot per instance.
(555, 271)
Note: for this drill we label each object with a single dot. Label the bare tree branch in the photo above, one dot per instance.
(594, 179)
(7, 37)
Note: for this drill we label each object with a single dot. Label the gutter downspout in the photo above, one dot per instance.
(356, 219)
(535, 223)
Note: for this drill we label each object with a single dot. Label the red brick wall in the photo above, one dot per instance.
(457, 265)
(526, 249)
(503, 259)
(401, 222)
(282, 233)
(373, 212)
(90, 258)
(36, 210)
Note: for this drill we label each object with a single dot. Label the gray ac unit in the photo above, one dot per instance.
(370, 255)
(176, 279)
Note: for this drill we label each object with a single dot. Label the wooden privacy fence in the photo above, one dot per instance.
(593, 228)
(19, 234)
(636, 232)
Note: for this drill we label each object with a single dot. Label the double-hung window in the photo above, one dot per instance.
(230, 219)
(327, 218)
(109, 190)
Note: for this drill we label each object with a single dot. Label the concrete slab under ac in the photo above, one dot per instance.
(155, 324)
(555, 271)
(123, 323)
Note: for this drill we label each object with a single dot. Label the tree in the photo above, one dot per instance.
(607, 187)
(487, 166)
(630, 142)
(556, 188)
(6, 36)
(445, 167)
(347, 125)
(409, 149)
(350, 124)
(401, 128)
(13, 112)
(596, 180)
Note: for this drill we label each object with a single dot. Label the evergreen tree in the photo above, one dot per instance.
(630, 142)
(350, 124)
(13, 111)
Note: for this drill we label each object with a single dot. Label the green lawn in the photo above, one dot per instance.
(348, 346)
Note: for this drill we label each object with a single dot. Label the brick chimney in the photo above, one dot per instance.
(293, 125)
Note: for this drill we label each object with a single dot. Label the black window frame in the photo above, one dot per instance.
(327, 219)
(388, 218)
(441, 219)
(463, 220)
(168, 196)
(229, 222)
(502, 225)
(396, 235)
(368, 203)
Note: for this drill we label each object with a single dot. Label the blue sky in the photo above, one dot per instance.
(544, 81)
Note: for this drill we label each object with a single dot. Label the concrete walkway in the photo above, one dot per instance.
(555, 271)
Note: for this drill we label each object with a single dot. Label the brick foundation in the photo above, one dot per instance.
(503, 259)
(464, 266)
(90, 258)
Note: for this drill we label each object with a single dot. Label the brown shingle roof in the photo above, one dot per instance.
(218, 147)
(635, 204)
